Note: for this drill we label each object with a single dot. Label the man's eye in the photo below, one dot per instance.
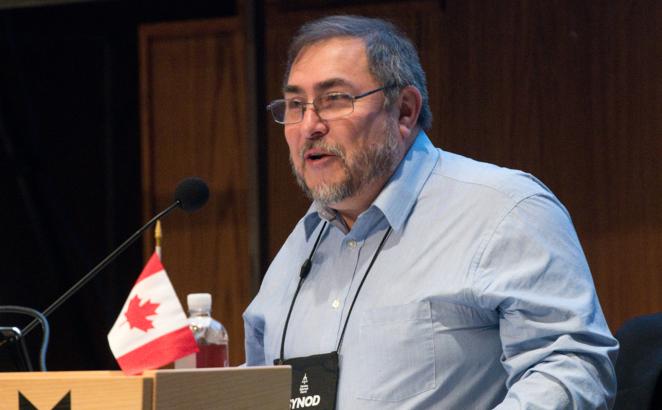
(337, 97)
(332, 100)
(294, 104)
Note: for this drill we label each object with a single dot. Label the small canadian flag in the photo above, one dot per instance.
(152, 330)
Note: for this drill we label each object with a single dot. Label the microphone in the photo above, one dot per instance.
(190, 195)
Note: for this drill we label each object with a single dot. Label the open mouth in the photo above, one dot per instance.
(315, 155)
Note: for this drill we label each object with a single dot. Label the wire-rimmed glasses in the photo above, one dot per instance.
(328, 106)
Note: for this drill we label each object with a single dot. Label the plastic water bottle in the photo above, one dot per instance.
(210, 335)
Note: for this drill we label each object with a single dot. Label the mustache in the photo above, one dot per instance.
(334, 149)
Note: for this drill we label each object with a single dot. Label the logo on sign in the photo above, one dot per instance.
(63, 404)
(306, 401)
(303, 388)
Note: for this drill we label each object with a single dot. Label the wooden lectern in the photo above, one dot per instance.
(220, 388)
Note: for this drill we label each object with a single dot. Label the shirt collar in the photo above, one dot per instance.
(398, 196)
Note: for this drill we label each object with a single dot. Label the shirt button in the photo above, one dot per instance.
(336, 304)
(351, 243)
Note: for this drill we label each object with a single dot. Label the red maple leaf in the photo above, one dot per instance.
(136, 315)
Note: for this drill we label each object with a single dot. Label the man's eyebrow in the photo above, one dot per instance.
(320, 87)
(330, 83)
(292, 89)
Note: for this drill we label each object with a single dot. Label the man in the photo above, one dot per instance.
(434, 281)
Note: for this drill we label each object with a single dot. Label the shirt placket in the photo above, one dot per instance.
(351, 250)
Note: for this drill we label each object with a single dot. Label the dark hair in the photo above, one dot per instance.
(392, 58)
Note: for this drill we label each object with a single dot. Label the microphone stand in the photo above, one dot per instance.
(91, 274)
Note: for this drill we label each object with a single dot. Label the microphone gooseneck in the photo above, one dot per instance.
(191, 194)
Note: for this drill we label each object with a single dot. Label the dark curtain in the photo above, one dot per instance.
(70, 165)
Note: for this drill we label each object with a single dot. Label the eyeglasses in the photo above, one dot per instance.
(327, 106)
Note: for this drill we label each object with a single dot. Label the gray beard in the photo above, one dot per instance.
(374, 161)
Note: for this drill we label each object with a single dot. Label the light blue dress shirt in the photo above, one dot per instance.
(480, 298)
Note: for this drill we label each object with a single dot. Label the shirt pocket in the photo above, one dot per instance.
(397, 352)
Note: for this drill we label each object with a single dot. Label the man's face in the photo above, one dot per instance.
(336, 160)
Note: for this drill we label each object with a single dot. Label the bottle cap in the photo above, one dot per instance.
(199, 301)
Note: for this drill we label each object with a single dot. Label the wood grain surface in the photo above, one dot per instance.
(194, 121)
(569, 91)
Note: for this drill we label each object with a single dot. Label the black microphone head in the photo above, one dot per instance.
(192, 193)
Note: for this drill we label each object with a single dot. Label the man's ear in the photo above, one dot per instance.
(409, 104)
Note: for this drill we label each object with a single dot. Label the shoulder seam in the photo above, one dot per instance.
(515, 198)
(478, 256)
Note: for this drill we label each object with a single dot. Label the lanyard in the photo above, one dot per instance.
(305, 269)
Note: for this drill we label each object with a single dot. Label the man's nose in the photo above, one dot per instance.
(312, 125)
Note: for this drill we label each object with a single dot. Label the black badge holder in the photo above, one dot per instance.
(314, 381)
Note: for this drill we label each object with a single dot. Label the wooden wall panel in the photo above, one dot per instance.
(569, 91)
(194, 122)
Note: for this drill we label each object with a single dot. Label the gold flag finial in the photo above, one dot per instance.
(158, 237)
